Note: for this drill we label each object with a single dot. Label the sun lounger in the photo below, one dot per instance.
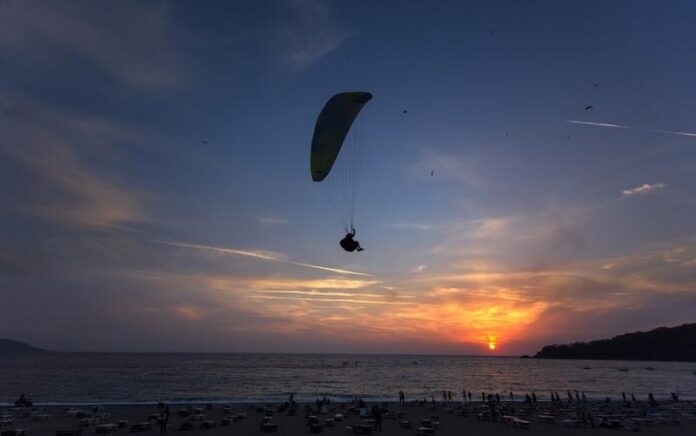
(546, 419)
(14, 432)
(338, 417)
(269, 427)
(226, 421)
(643, 421)
(186, 426)
(572, 423)
(183, 413)
(361, 429)
(105, 428)
(520, 423)
(86, 422)
(6, 421)
(140, 427)
(329, 422)
(123, 423)
(74, 432)
(69, 432)
(425, 431)
(405, 423)
(207, 424)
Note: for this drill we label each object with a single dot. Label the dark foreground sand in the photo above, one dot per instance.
(454, 419)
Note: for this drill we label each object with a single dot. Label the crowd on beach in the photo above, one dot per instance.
(515, 410)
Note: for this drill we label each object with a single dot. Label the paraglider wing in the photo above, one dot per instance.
(331, 129)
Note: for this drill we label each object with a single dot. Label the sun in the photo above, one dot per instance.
(491, 345)
(491, 342)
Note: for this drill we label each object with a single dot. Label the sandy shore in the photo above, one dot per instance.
(450, 419)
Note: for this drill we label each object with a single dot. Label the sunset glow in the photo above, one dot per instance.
(158, 195)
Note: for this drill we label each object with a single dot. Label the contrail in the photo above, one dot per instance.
(257, 255)
(642, 129)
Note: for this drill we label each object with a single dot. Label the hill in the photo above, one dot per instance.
(8, 345)
(664, 343)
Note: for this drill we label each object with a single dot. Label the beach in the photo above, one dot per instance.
(411, 418)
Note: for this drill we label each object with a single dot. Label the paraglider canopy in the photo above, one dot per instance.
(331, 129)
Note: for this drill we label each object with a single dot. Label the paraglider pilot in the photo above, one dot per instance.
(349, 244)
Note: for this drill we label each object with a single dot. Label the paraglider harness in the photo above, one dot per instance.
(349, 244)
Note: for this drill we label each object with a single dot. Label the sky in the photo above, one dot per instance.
(156, 194)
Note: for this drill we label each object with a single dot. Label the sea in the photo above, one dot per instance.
(133, 378)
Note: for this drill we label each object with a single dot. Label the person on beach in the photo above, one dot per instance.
(376, 413)
(469, 397)
(512, 397)
(164, 419)
(534, 399)
(402, 397)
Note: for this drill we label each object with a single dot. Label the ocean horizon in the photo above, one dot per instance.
(65, 378)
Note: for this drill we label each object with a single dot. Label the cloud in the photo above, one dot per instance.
(311, 34)
(273, 221)
(413, 226)
(641, 129)
(489, 227)
(67, 186)
(330, 283)
(335, 300)
(419, 269)
(49, 33)
(189, 313)
(259, 255)
(645, 188)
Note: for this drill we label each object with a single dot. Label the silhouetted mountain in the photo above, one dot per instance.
(676, 343)
(8, 345)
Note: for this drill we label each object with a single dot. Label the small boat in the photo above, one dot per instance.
(586, 367)
(649, 368)
(623, 369)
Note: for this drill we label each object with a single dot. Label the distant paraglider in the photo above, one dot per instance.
(331, 129)
(587, 108)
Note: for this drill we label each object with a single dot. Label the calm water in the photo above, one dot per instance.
(125, 377)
